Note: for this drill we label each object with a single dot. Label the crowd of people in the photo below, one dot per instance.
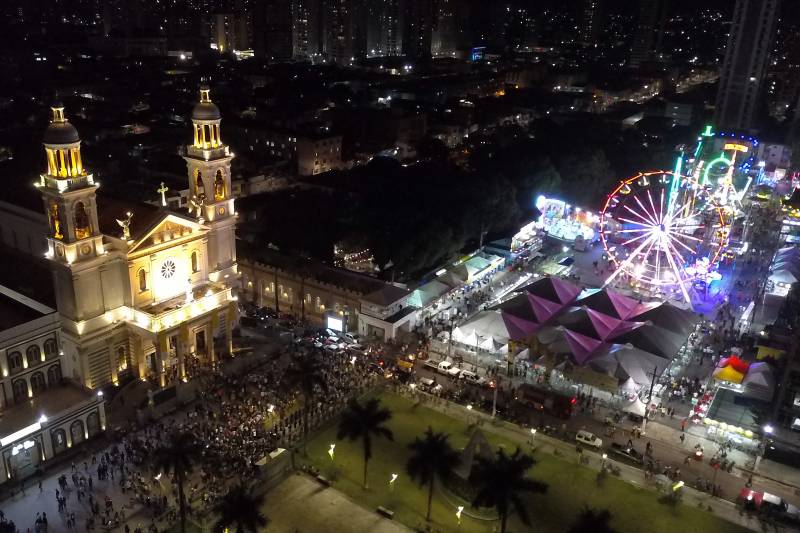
(237, 420)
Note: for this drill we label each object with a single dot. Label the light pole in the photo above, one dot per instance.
(330, 450)
(391, 482)
(762, 448)
(533, 435)
(494, 399)
(603, 465)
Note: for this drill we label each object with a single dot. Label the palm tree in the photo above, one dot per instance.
(501, 481)
(592, 521)
(307, 373)
(176, 458)
(362, 421)
(240, 508)
(430, 457)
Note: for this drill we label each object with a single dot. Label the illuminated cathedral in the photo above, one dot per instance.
(141, 289)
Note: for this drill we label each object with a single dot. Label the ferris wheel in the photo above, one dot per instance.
(662, 229)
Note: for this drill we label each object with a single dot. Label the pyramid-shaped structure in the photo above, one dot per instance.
(553, 289)
(608, 302)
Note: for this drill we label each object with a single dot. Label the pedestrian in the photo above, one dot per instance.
(40, 485)
(682, 437)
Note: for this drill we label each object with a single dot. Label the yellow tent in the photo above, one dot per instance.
(728, 373)
(767, 352)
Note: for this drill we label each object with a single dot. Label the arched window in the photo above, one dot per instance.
(200, 189)
(54, 375)
(14, 362)
(33, 354)
(20, 387)
(219, 186)
(50, 348)
(195, 262)
(76, 431)
(83, 228)
(93, 424)
(37, 382)
(141, 277)
(59, 441)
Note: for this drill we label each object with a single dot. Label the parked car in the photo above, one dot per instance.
(352, 338)
(471, 377)
(428, 385)
(623, 453)
(432, 364)
(589, 439)
(770, 505)
(444, 367)
(454, 371)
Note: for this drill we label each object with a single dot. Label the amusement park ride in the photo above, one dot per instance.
(666, 231)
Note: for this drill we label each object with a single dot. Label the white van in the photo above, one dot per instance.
(444, 367)
(589, 439)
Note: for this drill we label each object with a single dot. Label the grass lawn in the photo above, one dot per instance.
(571, 486)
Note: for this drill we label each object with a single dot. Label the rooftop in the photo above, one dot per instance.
(27, 275)
(49, 402)
(13, 312)
(321, 272)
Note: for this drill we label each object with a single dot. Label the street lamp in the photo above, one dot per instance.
(605, 456)
(533, 434)
(762, 448)
(330, 451)
(391, 482)
(458, 513)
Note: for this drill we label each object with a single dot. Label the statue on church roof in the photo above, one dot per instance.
(125, 224)
(198, 202)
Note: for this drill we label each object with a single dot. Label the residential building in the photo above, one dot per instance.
(649, 32)
(745, 66)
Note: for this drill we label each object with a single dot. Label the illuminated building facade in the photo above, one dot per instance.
(141, 289)
(745, 66)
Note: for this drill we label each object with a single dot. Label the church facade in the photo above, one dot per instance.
(141, 289)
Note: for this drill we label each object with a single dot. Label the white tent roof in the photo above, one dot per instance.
(486, 324)
(628, 386)
(524, 354)
(636, 407)
(783, 276)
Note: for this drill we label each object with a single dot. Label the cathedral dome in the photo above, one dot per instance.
(205, 111)
(59, 131)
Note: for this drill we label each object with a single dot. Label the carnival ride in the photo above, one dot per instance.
(663, 229)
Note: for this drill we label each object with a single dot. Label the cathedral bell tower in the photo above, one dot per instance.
(69, 198)
(208, 162)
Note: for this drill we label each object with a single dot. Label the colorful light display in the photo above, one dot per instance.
(663, 229)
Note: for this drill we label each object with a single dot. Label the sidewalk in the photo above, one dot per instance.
(635, 476)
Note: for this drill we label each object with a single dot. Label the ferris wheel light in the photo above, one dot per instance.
(661, 221)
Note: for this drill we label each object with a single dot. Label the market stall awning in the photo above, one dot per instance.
(766, 352)
(729, 374)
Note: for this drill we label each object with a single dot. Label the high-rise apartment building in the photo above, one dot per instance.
(745, 66)
(419, 21)
(272, 29)
(592, 21)
(383, 28)
(649, 31)
(345, 31)
(444, 40)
